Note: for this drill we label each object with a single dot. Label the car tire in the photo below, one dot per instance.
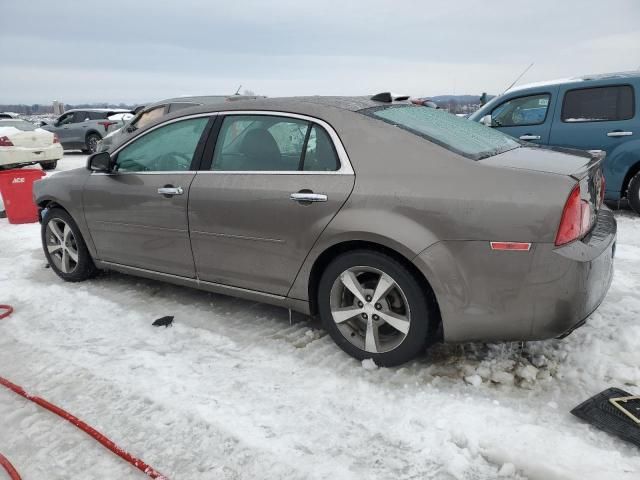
(633, 193)
(71, 261)
(49, 165)
(91, 142)
(367, 334)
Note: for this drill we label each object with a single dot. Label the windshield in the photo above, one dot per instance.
(19, 124)
(467, 138)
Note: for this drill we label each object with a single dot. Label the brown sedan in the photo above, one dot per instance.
(397, 224)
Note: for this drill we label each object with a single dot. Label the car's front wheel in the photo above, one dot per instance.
(633, 193)
(374, 307)
(49, 165)
(65, 248)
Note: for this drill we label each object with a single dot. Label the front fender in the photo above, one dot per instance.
(65, 189)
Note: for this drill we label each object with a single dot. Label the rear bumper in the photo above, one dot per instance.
(23, 155)
(487, 295)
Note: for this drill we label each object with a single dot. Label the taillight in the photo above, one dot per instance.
(5, 142)
(56, 139)
(576, 218)
(106, 125)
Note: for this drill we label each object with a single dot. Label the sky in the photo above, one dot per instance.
(138, 51)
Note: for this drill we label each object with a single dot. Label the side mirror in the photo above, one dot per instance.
(43, 123)
(100, 162)
(486, 120)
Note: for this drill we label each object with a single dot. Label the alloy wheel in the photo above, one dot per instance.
(370, 309)
(62, 245)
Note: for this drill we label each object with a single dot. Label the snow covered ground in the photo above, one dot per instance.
(233, 391)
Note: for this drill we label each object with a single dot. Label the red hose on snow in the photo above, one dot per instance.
(8, 310)
(136, 462)
(6, 464)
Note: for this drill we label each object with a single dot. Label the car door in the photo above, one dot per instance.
(596, 118)
(62, 127)
(78, 127)
(264, 195)
(526, 117)
(137, 215)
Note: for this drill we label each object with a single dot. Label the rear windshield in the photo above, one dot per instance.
(462, 136)
(19, 124)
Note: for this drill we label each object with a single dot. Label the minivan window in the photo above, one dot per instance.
(260, 143)
(168, 148)
(462, 136)
(598, 104)
(521, 111)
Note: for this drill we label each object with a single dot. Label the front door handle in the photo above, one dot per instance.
(170, 191)
(308, 197)
(528, 136)
(619, 133)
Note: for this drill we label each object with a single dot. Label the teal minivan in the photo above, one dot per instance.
(593, 112)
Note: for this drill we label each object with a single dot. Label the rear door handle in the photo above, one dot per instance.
(529, 137)
(170, 191)
(619, 133)
(308, 197)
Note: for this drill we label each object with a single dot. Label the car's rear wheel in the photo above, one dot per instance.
(65, 248)
(374, 307)
(92, 142)
(633, 193)
(49, 165)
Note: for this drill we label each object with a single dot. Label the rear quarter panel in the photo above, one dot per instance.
(410, 194)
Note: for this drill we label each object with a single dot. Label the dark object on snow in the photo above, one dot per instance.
(3, 214)
(613, 411)
(46, 265)
(164, 321)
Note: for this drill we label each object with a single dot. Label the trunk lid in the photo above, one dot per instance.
(29, 139)
(560, 161)
(585, 167)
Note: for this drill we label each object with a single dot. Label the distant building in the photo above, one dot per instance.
(58, 107)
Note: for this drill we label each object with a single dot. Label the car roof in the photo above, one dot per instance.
(101, 110)
(204, 99)
(582, 79)
(295, 104)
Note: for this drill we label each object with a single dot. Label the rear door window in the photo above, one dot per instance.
(97, 115)
(320, 154)
(79, 117)
(598, 104)
(462, 136)
(521, 111)
(260, 143)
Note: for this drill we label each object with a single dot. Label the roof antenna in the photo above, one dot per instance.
(238, 90)
(519, 77)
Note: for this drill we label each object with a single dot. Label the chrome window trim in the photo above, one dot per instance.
(131, 140)
(345, 163)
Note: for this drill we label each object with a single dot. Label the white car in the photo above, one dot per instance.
(22, 143)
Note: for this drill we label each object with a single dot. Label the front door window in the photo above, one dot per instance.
(169, 148)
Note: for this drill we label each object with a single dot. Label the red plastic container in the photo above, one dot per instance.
(16, 187)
